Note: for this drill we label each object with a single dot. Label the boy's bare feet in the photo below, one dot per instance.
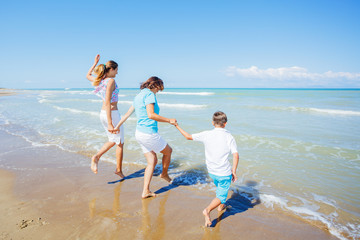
(147, 195)
(166, 177)
(221, 207)
(207, 218)
(120, 174)
(94, 164)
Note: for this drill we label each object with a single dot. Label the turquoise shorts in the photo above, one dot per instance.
(222, 184)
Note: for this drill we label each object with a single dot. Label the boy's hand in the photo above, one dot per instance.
(234, 177)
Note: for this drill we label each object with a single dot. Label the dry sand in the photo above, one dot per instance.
(46, 193)
(6, 92)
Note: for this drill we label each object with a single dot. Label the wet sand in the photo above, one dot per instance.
(47, 193)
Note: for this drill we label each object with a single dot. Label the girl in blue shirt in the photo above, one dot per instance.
(147, 112)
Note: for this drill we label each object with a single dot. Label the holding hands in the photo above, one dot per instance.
(173, 121)
(113, 130)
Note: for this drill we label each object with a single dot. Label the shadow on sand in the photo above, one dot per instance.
(241, 199)
(141, 172)
(186, 178)
(136, 174)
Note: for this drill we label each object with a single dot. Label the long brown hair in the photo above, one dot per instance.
(102, 69)
(153, 82)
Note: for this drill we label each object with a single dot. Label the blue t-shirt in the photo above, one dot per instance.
(144, 123)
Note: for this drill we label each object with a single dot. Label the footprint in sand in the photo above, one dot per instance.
(26, 223)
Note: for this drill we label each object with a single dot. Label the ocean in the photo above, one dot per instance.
(299, 148)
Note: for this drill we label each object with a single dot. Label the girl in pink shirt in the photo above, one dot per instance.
(107, 89)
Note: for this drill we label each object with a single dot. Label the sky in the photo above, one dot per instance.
(187, 43)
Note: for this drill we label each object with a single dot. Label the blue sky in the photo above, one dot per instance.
(48, 44)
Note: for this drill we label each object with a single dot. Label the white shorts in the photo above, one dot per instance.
(115, 117)
(150, 142)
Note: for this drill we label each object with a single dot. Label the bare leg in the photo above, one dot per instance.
(221, 207)
(166, 163)
(214, 203)
(151, 163)
(119, 158)
(95, 159)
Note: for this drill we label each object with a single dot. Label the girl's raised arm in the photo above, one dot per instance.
(90, 77)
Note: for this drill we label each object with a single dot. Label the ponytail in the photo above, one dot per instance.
(101, 71)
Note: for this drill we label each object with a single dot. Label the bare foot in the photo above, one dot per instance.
(221, 207)
(166, 177)
(120, 174)
(147, 195)
(207, 218)
(94, 164)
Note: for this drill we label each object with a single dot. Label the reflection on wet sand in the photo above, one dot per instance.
(114, 213)
(149, 230)
(106, 223)
(115, 218)
(213, 232)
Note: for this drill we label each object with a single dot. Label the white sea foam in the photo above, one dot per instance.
(73, 100)
(173, 105)
(125, 102)
(269, 200)
(3, 120)
(43, 100)
(56, 120)
(81, 92)
(37, 144)
(311, 110)
(188, 93)
(322, 111)
(310, 212)
(336, 112)
(77, 111)
(95, 100)
(316, 216)
(180, 105)
(324, 199)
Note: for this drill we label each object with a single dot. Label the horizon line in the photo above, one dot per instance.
(255, 88)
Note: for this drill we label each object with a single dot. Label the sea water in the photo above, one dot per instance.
(299, 148)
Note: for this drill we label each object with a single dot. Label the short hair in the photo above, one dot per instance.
(219, 118)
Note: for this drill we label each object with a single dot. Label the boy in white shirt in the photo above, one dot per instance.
(218, 144)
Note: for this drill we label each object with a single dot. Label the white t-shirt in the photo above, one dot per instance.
(218, 144)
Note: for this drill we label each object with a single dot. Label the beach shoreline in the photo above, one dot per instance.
(7, 92)
(46, 195)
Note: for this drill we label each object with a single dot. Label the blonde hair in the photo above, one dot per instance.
(153, 82)
(102, 69)
(219, 118)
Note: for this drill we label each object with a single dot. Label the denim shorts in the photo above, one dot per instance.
(222, 184)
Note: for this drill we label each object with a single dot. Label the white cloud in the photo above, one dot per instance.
(295, 76)
(286, 73)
